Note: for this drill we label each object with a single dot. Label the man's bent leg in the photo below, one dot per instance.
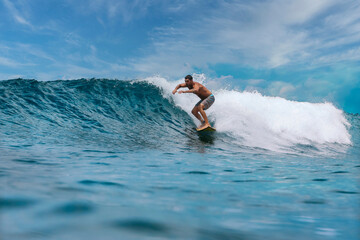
(195, 112)
(203, 114)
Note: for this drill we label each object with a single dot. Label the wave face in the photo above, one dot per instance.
(137, 114)
(125, 113)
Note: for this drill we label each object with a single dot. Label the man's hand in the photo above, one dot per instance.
(180, 92)
(174, 91)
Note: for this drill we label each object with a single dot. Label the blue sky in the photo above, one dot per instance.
(302, 50)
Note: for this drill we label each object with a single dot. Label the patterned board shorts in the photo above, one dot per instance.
(207, 102)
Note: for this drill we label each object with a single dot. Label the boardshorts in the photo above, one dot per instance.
(207, 102)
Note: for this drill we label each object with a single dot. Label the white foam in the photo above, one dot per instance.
(266, 122)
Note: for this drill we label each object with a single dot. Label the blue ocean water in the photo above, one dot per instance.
(112, 159)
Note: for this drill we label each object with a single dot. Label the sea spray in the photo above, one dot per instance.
(266, 122)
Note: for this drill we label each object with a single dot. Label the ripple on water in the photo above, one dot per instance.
(266, 167)
(3, 173)
(220, 235)
(164, 188)
(142, 226)
(314, 201)
(11, 203)
(339, 172)
(111, 156)
(32, 161)
(197, 172)
(345, 192)
(74, 208)
(320, 179)
(93, 151)
(152, 165)
(72, 189)
(250, 180)
(101, 163)
(104, 183)
(29, 161)
(169, 154)
(290, 178)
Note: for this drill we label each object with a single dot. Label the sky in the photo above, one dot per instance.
(303, 50)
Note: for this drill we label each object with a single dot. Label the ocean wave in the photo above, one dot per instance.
(144, 113)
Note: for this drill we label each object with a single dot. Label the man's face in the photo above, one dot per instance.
(188, 82)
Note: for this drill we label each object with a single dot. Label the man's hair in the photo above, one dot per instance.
(189, 77)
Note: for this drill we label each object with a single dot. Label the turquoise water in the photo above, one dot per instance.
(109, 159)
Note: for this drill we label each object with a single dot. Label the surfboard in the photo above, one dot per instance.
(208, 129)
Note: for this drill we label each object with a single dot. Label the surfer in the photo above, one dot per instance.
(207, 99)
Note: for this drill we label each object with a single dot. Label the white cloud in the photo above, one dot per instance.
(256, 34)
(9, 62)
(16, 14)
(255, 82)
(26, 53)
(33, 50)
(352, 54)
(33, 62)
(113, 9)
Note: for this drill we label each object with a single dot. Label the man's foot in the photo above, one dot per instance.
(203, 126)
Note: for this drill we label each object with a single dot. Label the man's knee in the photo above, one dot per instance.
(201, 107)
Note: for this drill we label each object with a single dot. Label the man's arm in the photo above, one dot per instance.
(194, 90)
(188, 91)
(178, 86)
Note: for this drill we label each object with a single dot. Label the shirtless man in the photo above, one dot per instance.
(207, 99)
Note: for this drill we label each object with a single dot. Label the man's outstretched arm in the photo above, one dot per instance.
(188, 91)
(194, 90)
(178, 86)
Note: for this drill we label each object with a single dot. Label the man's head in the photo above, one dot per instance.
(189, 80)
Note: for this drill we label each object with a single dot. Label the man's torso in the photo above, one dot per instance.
(202, 92)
